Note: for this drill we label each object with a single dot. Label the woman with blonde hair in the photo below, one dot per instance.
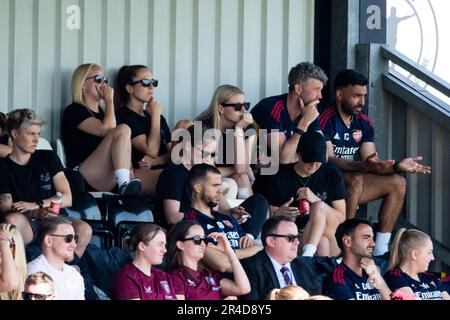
(289, 292)
(412, 252)
(95, 146)
(293, 292)
(228, 113)
(13, 263)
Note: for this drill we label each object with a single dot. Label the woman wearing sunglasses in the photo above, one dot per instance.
(39, 286)
(140, 280)
(187, 246)
(228, 113)
(13, 264)
(95, 146)
(150, 134)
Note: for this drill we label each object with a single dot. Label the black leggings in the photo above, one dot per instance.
(257, 206)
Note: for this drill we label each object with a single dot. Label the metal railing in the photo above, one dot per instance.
(422, 112)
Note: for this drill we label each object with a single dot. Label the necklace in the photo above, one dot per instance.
(304, 183)
(301, 179)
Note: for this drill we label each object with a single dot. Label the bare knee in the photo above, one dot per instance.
(398, 183)
(122, 130)
(83, 230)
(21, 223)
(354, 184)
(183, 124)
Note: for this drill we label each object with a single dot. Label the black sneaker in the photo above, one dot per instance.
(130, 187)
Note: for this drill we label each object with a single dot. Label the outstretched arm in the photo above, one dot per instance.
(412, 166)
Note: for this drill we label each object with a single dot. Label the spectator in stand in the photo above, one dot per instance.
(286, 117)
(357, 277)
(58, 241)
(187, 246)
(139, 279)
(9, 274)
(228, 113)
(317, 182)
(17, 248)
(150, 134)
(5, 146)
(412, 252)
(350, 136)
(94, 145)
(278, 265)
(292, 292)
(39, 286)
(30, 180)
(174, 192)
(205, 182)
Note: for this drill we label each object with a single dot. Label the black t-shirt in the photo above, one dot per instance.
(173, 184)
(33, 181)
(78, 144)
(326, 183)
(142, 125)
(4, 139)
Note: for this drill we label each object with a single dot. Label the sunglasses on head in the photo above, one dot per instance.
(146, 82)
(237, 106)
(34, 296)
(68, 238)
(99, 78)
(198, 240)
(290, 237)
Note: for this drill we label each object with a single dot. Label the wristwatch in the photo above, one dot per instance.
(299, 131)
(40, 203)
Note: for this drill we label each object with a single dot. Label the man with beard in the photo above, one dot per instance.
(350, 143)
(286, 117)
(58, 242)
(205, 181)
(357, 277)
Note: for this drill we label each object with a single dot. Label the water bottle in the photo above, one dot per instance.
(55, 204)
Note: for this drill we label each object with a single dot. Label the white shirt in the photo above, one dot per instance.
(69, 284)
(280, 276)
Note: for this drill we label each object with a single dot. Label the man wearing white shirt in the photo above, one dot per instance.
(58, 242)
(264, 270)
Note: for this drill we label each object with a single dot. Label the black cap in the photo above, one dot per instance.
(312, 147)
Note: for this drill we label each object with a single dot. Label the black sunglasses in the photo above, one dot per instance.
(198, 240)
(146, 82)
(290, 237)
(237, 106)
(99, 78)
(68, 238)
(34, 296)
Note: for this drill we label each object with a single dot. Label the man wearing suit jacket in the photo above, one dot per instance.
(278, 265)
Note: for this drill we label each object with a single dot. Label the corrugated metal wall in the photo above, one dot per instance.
(191, 46)
(427, 204)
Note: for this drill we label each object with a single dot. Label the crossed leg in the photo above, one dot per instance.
(114, 152)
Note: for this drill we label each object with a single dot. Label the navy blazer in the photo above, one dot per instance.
(263, 278)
